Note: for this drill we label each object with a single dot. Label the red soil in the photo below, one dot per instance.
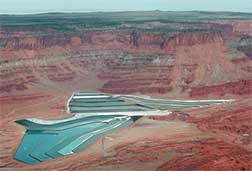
(20, 98)
(58, 107)
(224, 119)
(241, 87)
(208, 155)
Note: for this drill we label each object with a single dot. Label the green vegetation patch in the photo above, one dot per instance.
(72, 22)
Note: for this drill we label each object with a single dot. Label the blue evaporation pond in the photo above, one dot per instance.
(43, 142)
(80, 103)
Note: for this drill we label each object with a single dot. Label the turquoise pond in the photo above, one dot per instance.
(96, 115)
(41, 143)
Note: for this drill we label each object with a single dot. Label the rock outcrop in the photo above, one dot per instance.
(126, 61)
(241, 87)
(105, 40)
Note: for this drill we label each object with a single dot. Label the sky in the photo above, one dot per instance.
(41, 6)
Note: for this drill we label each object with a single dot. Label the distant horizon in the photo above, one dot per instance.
(115, 11)
(82, 6)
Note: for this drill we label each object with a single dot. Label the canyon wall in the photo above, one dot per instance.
(124, 61)
(104, 40)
